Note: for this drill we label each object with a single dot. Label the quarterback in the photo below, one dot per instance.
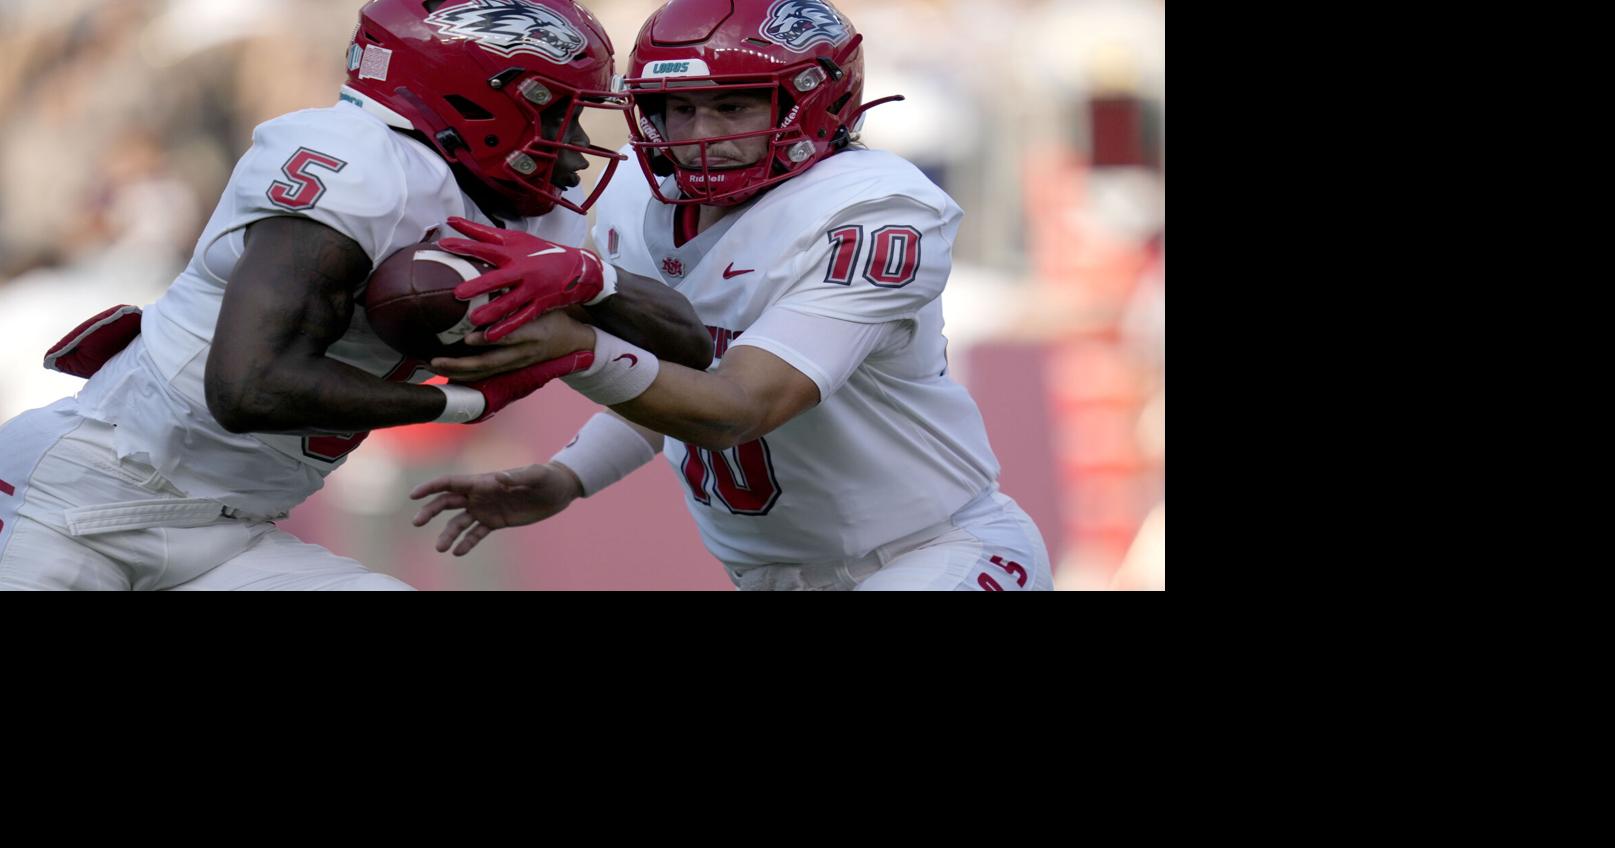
(827, 448)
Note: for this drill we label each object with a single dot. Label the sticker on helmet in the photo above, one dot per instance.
(799, 24)
(375, 63)
(354, 52)
(676, 68)
(510, 27)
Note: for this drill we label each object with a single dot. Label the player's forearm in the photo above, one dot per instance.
(291, 298)
(318, 396)
(651, 437)
(704, 409)
(657, 318)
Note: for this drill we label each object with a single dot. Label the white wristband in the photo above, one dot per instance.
(621, 371)
(462, 404)
(606, 450)
(609, 275)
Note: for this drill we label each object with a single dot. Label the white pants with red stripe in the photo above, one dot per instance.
(989, 545)
(75, 516)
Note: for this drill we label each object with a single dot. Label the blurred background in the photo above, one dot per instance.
(120, 121)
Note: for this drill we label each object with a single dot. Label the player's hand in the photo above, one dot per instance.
(502, 390)
(539, 274)
(489, 502)
(551, 335)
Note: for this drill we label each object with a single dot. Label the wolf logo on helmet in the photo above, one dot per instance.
(800, 24)
(510, 27)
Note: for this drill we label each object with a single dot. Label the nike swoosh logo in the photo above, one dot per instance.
(730, 273)
(634, 360)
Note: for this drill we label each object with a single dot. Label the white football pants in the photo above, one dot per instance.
(989, 545)
(74, 516)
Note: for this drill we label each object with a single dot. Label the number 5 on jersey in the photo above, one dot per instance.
(304, 189)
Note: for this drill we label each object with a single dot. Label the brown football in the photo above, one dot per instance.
(410, 304)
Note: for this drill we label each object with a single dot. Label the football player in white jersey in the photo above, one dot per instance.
(827, 449)
(226, 402)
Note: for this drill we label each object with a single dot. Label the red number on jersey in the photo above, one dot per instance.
(305, 189)
(743, 476)
(1014, 568)
(895, 261)
(844, 246)
(695, 473)
(332, 448)
(7, 490)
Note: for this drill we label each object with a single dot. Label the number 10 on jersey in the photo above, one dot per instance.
(893, 259)
(742, 477)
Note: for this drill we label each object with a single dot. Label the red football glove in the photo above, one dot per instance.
(88, 347)
(501, 390)
(540, 274)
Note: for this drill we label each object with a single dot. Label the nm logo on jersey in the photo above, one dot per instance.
(800, 24)
(510, 27)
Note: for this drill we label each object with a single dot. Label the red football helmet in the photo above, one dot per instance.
(804, 53)
(477, 78)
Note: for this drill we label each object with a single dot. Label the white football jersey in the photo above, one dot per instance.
(339, 166)
(861, 237)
